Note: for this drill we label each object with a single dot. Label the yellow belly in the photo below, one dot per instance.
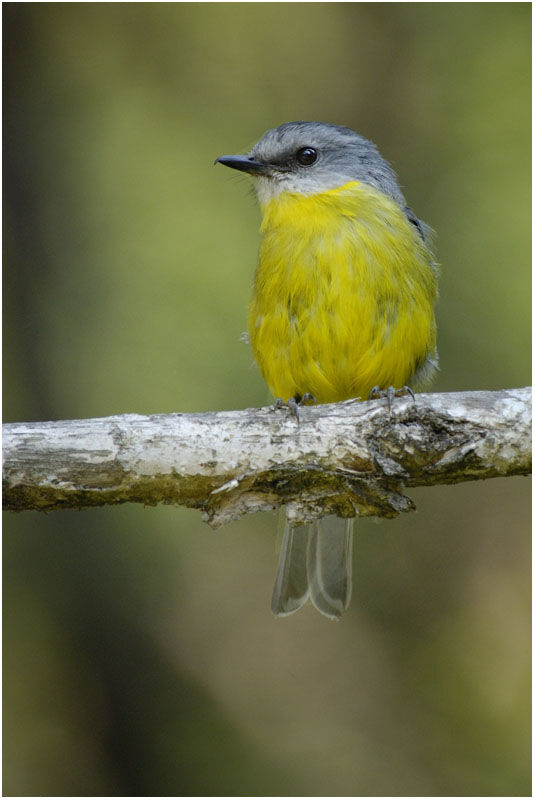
(343, 297)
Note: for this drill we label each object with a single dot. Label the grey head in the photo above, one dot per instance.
(312, 157)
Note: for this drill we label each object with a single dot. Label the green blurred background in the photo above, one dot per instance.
(140, 653)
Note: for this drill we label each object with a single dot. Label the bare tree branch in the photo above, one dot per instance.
(347, 458)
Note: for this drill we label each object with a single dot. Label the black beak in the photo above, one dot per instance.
(245, 164)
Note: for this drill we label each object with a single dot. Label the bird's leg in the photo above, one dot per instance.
(294, 403)
(390, 393)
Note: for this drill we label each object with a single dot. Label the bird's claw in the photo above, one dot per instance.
(390, 393)
(294, 403)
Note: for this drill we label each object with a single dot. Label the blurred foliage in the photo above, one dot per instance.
(140, 654)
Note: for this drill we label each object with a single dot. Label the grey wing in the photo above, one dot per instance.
(418, 224)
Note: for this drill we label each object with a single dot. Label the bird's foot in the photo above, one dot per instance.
(390, 394)
(294, 403)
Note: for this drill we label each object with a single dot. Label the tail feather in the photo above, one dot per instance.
(291, 584)
(329, 565)
(315, 562)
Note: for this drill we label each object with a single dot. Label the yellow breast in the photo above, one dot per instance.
(343, 295)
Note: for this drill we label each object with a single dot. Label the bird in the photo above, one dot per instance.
(342, 306)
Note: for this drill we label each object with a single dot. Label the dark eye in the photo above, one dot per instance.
(306, 156)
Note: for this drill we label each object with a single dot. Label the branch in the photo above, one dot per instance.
(348, 458)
